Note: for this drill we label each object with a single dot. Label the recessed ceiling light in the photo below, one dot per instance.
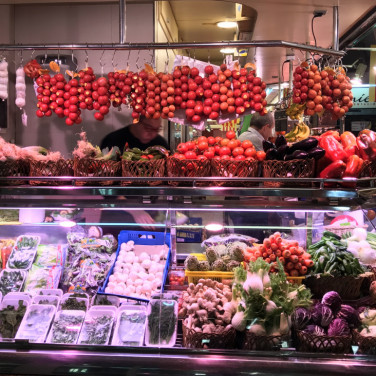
(227, 50)
(227, 24)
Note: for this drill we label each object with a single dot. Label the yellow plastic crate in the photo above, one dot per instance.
(194, 277)
(199, 256)
(297, 280)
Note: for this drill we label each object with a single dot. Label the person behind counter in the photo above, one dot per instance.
(260, 129)
(139, 135)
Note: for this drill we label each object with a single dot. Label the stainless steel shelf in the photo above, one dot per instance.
(250, 193)
(102, 360)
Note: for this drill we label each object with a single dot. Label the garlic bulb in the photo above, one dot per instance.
(3, 79)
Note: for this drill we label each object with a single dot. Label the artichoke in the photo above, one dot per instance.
(204, 266)
(191, 263)
(211, 254)
(219, 265)
(232, 265)
(236, 251)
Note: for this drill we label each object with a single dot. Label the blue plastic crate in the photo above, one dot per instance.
(141, 238)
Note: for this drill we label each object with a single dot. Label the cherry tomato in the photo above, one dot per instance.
(240, 157)
(218, 139)
(224, 142)
(209, 154)
(202, 139)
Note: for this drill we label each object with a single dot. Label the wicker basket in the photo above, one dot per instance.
(367, 345)
(225, 340)
(188, 168)
(61, 167)
(348, 287)
(296, 169)
(262, 343)
(368, 170)
(14, 168)
(240, 169)
(308, 342)
(143, 169)
(87, 167)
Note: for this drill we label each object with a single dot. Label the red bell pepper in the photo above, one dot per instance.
(366, 146)
(334, 171)
(333, 149)
(335, 134)
(353, 166)
(369, 133)
(348, 139)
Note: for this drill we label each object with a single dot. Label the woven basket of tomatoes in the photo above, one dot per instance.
(295, 169)
(88, 167)
(247, 168)
(62, 167)
(295, 260)
(188, 168)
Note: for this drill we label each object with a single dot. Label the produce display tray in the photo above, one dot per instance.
(141, 238)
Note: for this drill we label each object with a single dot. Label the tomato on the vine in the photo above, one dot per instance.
(202, 139)
(209, 154)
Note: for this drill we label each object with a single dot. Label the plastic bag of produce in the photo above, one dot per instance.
(43, 278)
(51, 255)
(228, 238)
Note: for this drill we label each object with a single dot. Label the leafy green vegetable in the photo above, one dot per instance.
(10, 319)
(74, 304)
(11, 281)
(67, 328)
(97, 330)
(161, 322)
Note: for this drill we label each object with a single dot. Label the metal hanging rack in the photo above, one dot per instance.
(164, 46)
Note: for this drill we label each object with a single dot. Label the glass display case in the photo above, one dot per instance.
(70, 221)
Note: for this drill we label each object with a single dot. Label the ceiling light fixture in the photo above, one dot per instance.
(227, 51)
(227, 24)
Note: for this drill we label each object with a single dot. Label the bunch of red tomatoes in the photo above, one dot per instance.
(228, 148)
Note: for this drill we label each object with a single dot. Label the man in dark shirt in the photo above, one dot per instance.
(140, 135)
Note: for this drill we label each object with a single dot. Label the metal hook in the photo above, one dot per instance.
(21, 58)
(168, 60)
(113, 58)
(152, 58)
(73, 61)
(45, 55)
(208, 56)
(32, 54)
(100, 61)
(58, 54)
(137, 58)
